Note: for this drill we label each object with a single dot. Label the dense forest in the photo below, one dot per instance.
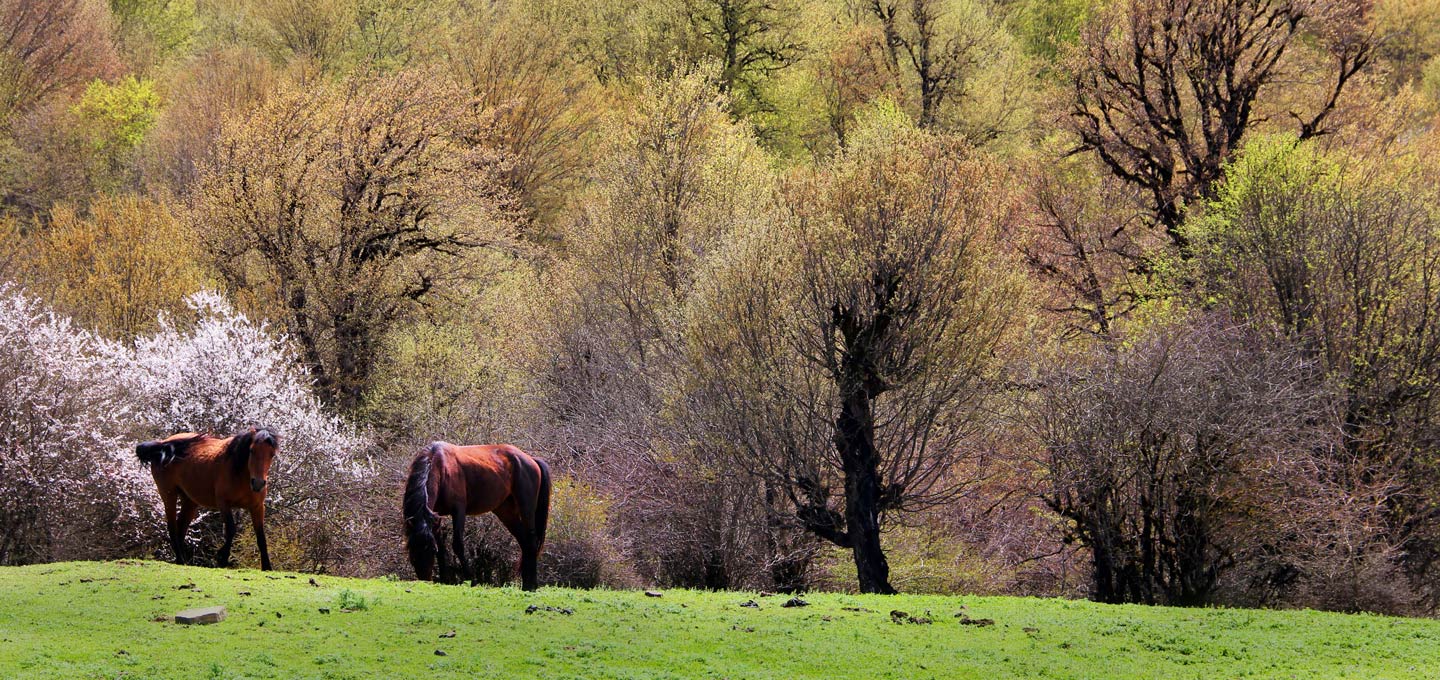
(1136, 300)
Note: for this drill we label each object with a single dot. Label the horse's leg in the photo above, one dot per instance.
(188, 508)
(442, 557)
(457, 524)
(510, 515)
(170, 499)
(223, 559)
(257, 519)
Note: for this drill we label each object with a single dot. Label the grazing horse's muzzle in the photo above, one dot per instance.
(256, 484)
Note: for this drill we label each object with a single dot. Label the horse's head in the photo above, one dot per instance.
(263, 448)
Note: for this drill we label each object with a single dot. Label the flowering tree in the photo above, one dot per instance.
(76, 403)
(225, 373)
(64, 478)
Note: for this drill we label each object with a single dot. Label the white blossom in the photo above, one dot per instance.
(225, 373)
(64, 432)
(73, 405)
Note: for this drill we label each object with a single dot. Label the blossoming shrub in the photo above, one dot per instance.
(221, 372)
(67, 489)
(74, 404)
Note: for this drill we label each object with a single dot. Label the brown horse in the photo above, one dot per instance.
(472, 480)
(203, 471)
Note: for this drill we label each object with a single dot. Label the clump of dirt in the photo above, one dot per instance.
(547, 608)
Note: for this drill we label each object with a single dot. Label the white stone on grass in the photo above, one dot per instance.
(201, 616)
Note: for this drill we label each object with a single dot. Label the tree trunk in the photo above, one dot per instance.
(355, 335)
(855, 440)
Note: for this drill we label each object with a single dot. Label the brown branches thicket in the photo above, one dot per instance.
(936, 52)
(1340, 255)
(51, 46)
(348, 205)
(1164, 90)
(1175, 458)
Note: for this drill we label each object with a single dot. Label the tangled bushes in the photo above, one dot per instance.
(1194, 459)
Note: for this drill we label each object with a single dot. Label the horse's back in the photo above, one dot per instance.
(489, 473)
(198, 470)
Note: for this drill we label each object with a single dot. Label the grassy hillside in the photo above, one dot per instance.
(93, 620)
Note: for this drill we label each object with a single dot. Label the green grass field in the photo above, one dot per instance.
(113, 620)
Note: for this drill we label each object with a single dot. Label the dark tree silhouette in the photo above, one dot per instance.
(1164, 90)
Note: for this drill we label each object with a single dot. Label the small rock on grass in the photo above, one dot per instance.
(201, 616)
(795, 602)
(750, 603)
(440, 652)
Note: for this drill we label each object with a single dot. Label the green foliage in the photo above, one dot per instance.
(351, 601)
(1046, 27)
(1257, 202)
(625, 634)
(168, 26)
(678, 175)
(314, 31)
(1412, 36)
(930, 560)
(455, 373)
(1430, 82)
(751, 40)
(116, 117)
(392, 33)
(580, 551)
(1339, 251)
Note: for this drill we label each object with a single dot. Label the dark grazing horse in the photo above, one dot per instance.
(197, 471)
(472, 480)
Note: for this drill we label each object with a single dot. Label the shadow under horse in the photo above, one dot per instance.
(194, 471)
(456, 481)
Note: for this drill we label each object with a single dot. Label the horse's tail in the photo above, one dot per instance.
(419, 536)
(151, 453)
(163, 451)
(542, 504)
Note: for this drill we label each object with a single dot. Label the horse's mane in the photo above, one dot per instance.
(237, 452)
